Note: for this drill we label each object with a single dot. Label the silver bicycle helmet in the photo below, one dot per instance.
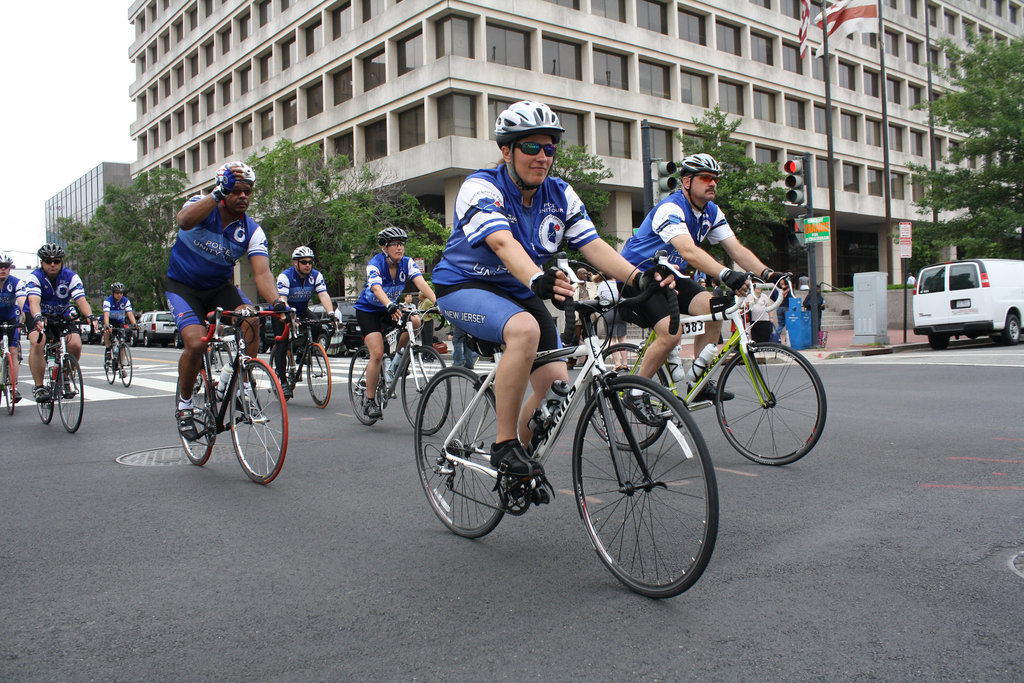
(5, 259)
(246, 175)
(302, 252)
(390, 234)
(526, 118)
(699, 163)
(51, 250)
(117, 287)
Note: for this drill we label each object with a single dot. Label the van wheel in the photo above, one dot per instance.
(1011, 333)
(938, 341)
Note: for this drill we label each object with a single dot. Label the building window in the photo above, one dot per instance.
(244, 25)
(508, 46)
(285, 4)
(314, 37)
(913, 51)
(873, 132)
(766, 155)
(193, 64)
(289, 52)
(820, 120)
(892, 44)
(762, 49)
(764, 105)
(694, 88)
(245, 133)
(456, 115)
(875, 182)
(179, 121)
(896, 137)
(791, 58)
(820, 172)
(818, 68)
(374, 71)
(210, 149)
(730, 97)
(571, 4)
(562, 58)
(193, 111)
(870, 83)
(193, 158)
(915, 93)
(225, 91)
(411, 130)
(410, 53)
(454, 36)
(314, 99)
(612, 137)
(728, 38)
(289, 112)
(225, 40)
(791, 8)
(692, 27)
(795, 117)
(847, 75)
(265, 62)
(848, 126)
(342, 85)
(341, 145)
(610, 9)
(663, 145)
(372, 8)
(179, 76)
(341, 22)
(497, 105)
(912, 8)
(851, 177)
(897, 186)
(244, 76)
(208, 53)
(610, 70)
(226, 142)
(375, 140)
(210, 101)
(652, 15)
(573, 124)
(892, 90)
(917, 143)
(654, 79)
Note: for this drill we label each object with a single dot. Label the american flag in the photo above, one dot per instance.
(805, 22)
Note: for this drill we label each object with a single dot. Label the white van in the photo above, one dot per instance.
(970, 298)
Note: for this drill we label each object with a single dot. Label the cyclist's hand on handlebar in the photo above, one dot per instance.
(775, 276)
(395, 311)
(660, 274)
(280, 306)
(735, 280)
(552, 283)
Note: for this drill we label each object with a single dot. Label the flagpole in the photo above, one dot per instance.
(830, 147)
(887, 168)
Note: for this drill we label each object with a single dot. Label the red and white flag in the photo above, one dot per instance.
(805, 22)
(850, 16)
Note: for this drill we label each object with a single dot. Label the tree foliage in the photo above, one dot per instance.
(129, 237)
(336, 209)
(981, 179)
(748, 192)
(585, 172)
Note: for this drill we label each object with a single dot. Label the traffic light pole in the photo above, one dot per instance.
(814, 296)
(645, 146)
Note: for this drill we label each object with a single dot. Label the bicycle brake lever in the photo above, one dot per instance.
(562, 263)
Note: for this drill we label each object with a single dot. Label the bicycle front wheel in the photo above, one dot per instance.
(8, 382)
(126, 365)
(70, 394)
(318, 375)
(653, 524)
(198, 451)
(461, 495)
(259, 421)
(357, 384)
(424, 363)
(614, 354)
(110, 367)
(778, 412)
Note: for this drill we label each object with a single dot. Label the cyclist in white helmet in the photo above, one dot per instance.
(12, 299)
(678, 224)
(509, 221)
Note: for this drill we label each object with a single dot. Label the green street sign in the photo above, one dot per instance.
(816, 229)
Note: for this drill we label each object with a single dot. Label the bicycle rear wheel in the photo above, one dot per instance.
(70, 393)
(203, 408)
(424, 363)
(126, 365)
(259, 421)
(633, 358)
(656, 531)
(318, 375)
(8, 382)
(357, 384)
(786, 425)
(462, 497)
(110, 366)
(46, 409)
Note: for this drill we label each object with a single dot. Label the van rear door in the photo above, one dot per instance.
(931, 304)
(965, 299)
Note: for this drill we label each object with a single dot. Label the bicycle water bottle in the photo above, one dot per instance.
(700, 363)
(51, 367)
(675, 365)
(222, 382)
(541, 420)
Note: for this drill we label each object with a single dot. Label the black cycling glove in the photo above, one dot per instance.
(392, 307)
(280, 306)
(543, 284)
(773, 276)
(646, 278)
(734, 279)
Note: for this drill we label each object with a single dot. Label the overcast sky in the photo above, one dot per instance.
(65, 76)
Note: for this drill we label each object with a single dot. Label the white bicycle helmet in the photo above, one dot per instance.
(5, 259)
(526, 118)
(247, 175)
(699, 163)
(302, 252)
(117, 287)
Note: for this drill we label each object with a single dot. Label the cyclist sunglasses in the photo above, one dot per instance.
(533, 148)
(306, 262)
(53, 260)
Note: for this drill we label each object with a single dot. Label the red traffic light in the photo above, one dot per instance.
(792, 166)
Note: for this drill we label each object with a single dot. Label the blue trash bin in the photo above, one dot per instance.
(798, 324)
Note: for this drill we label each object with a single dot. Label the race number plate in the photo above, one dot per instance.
(692, 328)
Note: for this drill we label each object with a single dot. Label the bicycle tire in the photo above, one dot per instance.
(357, 383)
(125, 365)
(70, 394)
(318, 375)
(785, 430)
(633, 353)
(110, 366)
(45, 409)
(8, 382)
(463, 498)
(203, 408)
(424, 363)
(259, 421)
(658, 538)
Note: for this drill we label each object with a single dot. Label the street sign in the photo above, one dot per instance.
(906, 241)
(816, 229)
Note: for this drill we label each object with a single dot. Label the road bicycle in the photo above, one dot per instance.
(236, 392)
(643, 480)
(777, 413)
(305, 354)
(10, 362)
(63, 375)
(413, 368)
(119, 362)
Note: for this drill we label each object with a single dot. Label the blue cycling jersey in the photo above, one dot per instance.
(489, 201)
(54, 295)
(299, 290)
(117, 310)
(378, 273)
(10, 289)
(673, 216)
(205, 256)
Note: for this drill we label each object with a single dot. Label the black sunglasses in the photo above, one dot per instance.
(53, 260)
(306, 262)
(533, 148)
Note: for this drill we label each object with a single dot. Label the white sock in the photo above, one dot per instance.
(184, 404)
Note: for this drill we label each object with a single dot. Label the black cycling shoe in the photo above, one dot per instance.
(642, 408)
(286, 389)
(710, 393)
(371, 409)
(187, 424)
(509, 457)
(17, 396)
(41, 395)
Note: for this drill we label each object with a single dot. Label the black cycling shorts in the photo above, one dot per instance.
(648, 313)
(190, 306)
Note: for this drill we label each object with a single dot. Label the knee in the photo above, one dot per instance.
(521, 332)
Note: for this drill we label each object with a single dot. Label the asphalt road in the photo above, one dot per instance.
(885, 554)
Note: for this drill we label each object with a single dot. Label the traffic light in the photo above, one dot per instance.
(795, 193)
(667, 180)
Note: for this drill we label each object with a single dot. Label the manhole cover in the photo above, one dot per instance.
(1017, 564)
(156, 457)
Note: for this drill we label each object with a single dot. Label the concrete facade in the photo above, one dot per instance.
(79, 200)
(414, 85)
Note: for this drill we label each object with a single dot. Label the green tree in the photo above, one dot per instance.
(748, 192)
(129, 237)
(984, 105)
(585, 172)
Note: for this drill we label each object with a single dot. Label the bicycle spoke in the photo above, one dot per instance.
(259, 422)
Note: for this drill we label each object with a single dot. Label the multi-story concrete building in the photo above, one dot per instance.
(79, 200)
(415, 85)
